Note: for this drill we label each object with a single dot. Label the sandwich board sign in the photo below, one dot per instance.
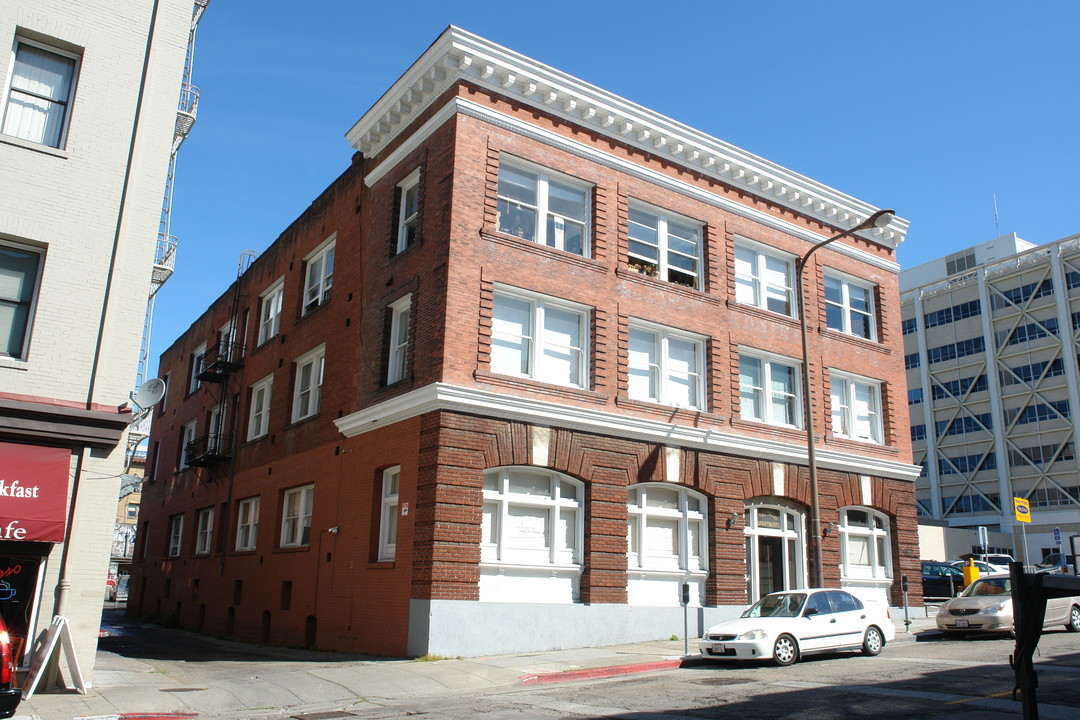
(45, 650)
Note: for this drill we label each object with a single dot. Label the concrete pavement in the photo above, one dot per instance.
(229, 679)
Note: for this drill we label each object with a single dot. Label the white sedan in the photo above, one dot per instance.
(784, 626)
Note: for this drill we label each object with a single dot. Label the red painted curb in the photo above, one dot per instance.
(156, 716)
(600, 672)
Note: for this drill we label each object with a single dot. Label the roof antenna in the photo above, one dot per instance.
(997, 228)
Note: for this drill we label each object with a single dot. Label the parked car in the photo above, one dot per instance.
(9, 694)
(940, 580)
(999, 559)
(986, 606)
(1055, 564)
(785, 626)
(984, 568)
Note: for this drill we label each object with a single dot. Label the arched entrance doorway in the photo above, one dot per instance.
(775, 547)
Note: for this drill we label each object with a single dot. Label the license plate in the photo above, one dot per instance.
(961, 623)
(717, 649)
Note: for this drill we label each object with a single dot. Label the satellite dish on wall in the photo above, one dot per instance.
(149, 393)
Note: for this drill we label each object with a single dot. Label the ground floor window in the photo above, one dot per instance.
(775, 549)
(864, 544)
(668, 544)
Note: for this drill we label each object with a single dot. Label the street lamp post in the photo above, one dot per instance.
(879, 219)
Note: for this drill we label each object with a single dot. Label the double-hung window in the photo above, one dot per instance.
(198, 362)
(307, 387)
(176, 535)
(319, 275)
(39, 96)
(388, 513)
(545, 208)
(247, 523)
(259, 417)
(397, 357)
(764, 280)
(187, 440)
(539, 337)
(664, 245)
(408, 220)
(856, 407)
(531, 517)
(769, 390)
(849, 307)
(270, 311)
(19, 277)
(665, 366)
(864, 541)
(296, 516)
(205, 533)
(666, 528)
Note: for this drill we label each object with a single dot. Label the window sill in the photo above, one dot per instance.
(292, 549)
(544, 250)
(633, 276)
(765, 314)
(495, 565)
(788, 430)
(36, 147)
(669, 411)
(856, 341)
(302, 421)
(382, 565)
(10, 363)
(863, 445)
(693, 574)
(521, 383)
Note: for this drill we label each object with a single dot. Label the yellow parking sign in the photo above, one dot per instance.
(1022, 509)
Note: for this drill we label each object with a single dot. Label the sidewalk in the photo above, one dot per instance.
(287, 682)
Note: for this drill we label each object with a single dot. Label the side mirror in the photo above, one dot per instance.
(810, 611)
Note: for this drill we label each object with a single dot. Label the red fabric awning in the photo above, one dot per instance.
(33, 492)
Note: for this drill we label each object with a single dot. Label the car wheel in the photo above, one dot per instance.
(785, 651)
(1074, 619)
(873, 641)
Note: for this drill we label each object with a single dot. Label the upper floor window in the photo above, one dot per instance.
(259, 417)
(531, 517)
(247, 523)
(270, 311)
(39, 96)
(665, 246)
(187, 438)
(296, 516)
(319, 276)
(666, 528)
(19, 278)
(539, 337)
(764, 280)
(665, 367)
(307, 389)
(205, 531)
(176, 535)
(856, 407)
(399, 339)
(198, 360)
(388, 514)
(543, 207)
(408, 220)
(769, 390)
(849, 307)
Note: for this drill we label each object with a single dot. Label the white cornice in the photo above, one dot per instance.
(440, 396)
(482, 112)
(459, 55)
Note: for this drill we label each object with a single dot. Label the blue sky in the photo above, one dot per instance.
(926, 107)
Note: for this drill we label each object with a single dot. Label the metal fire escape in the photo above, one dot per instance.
(165, 249)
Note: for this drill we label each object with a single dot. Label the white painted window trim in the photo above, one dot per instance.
(270, 310)
(406, 220)
(846, 282)
(316, 359)
(767, 360)
(293, 524)
(68, 102)
(536, 346)
(879, 568)
(400, 314)
(662, 336)
(188, 434)
(176, 535)
(259, 415)
(498, 503)
(388, 513)
(664, 218)
(756, 280)
(317, 289)
(198, 359)
(24, 345)
(847, 383)
(792, 533)
(247, 523)
(205, 533)
(639, 515)
(545, 176)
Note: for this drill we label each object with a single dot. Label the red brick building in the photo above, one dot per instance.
(530, 364)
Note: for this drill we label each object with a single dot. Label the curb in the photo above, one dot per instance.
(604, 672)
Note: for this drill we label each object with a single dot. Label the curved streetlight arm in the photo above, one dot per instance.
(879, 219)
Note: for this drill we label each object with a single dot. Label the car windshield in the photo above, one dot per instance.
(982, 588)
(779, 605)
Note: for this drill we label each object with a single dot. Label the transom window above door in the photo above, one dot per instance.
(540, 206)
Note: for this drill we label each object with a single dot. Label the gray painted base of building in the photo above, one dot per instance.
(464, 628)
